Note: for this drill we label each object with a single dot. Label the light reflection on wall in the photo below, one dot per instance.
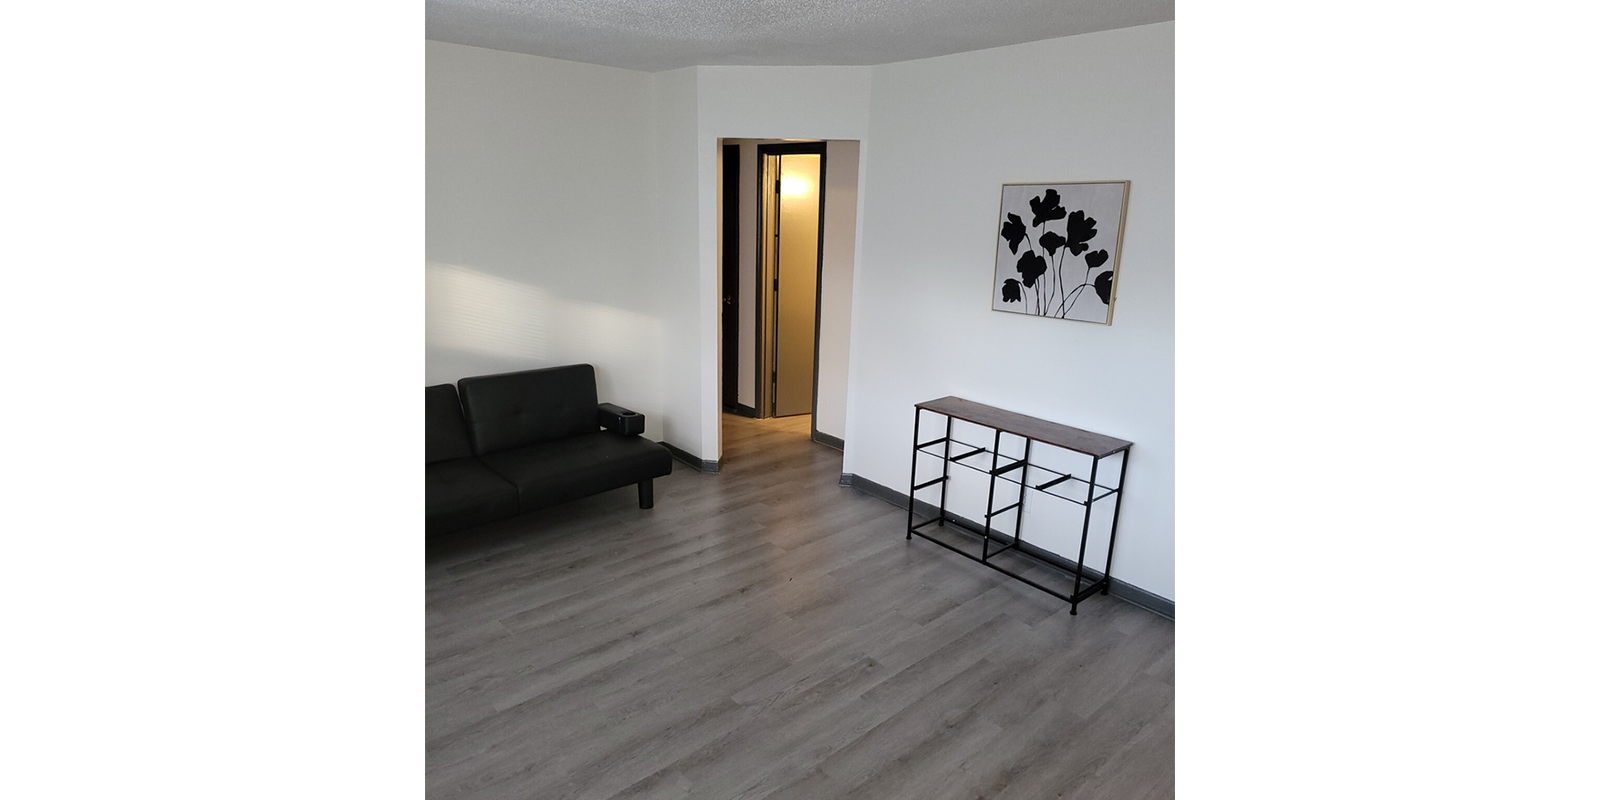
(795, 186)
(608, 331)
(478, 313)
(528, 326)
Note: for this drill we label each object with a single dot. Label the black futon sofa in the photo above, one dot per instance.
(521, 441)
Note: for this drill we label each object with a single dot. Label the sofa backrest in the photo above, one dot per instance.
(514, 409)
(447, 429)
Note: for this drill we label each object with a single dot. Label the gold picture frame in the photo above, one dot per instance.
(1047, 233)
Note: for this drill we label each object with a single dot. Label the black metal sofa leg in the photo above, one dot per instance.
(647, 494)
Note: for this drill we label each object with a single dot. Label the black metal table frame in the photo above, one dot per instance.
(995, 472)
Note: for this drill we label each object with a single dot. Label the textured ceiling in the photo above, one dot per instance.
(654, 35)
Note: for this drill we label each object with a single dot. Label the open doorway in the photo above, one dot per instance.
(786, 281)
(792, 179)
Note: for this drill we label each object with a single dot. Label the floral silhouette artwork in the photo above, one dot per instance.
(1058, 249)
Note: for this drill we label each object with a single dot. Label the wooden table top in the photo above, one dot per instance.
(1039, 430)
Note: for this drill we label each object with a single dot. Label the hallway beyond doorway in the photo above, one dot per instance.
(749, 443)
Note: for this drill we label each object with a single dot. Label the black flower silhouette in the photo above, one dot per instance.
(1047, 208)
(1102, 287)
(1080, 229)
(1101, 282)
(1013, 231)
(1031, 265)
(1050, 241)
(1011, 291)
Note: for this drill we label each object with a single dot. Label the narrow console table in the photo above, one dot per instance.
(1026, 475)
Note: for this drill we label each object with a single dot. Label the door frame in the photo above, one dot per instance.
(764, 398)
(730, 277)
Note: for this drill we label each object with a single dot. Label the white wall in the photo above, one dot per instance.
(688, 298)
(946, 133)
(838, 280)
(537, 234)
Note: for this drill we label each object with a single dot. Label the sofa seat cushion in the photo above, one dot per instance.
(555, 472)
(463, 492)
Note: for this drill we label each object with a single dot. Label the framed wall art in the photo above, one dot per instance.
(1058, 249)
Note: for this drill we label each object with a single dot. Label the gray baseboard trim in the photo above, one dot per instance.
(832, 441)
(741, 409)
(699, 464)
(1121, 590)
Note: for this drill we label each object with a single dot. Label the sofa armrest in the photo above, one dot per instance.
(617, 419)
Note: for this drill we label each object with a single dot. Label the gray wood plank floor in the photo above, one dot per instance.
(765, 633)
